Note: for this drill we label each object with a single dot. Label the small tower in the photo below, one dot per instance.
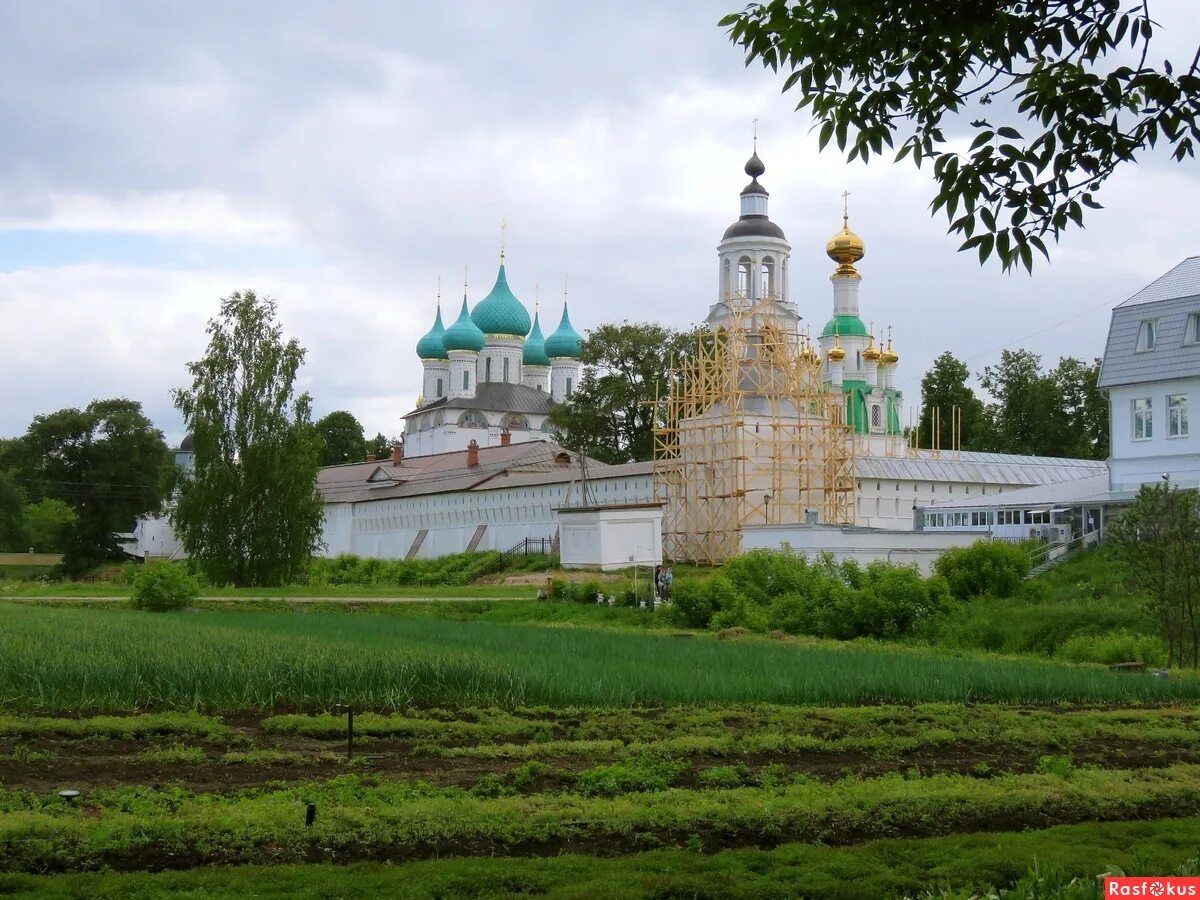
(463, 340)
(753, 260)
(432, 351)
(564, 348)
(845, 327)
(535, 364)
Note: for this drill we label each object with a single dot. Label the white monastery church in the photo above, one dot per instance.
(479, 467)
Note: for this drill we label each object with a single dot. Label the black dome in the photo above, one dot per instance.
(754, 165)
(754, 188)
(754, 226)
(185, 445)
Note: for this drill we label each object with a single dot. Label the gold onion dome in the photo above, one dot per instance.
(836, 353)
(889, 357)
(845, 248)
(872, 352)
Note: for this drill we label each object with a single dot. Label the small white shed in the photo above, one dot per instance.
(610, 537)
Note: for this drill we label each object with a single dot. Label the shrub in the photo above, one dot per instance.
(638, 773)
(986, 567)
(725, 776)
(1115, 647)
(763, 575)
(693, 603)
(164, 586)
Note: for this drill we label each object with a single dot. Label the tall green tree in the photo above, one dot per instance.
(343, 437)
(250, 515)
(1085, 407)
(1053, 96)
(381, 445)
(944, 389)
(106, 462)
(1027, 414)
(611, 414)
(1157, 542)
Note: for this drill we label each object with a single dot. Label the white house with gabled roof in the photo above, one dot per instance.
(1151, 371)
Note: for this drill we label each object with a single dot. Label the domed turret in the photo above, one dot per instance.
(846, 324)
(500, 312)
(534, 353)
(565, 342)
(431, 346)
(464, 334)
(845, 248)
(871, 354)
(754, 221)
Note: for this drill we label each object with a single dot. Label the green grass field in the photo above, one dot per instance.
(115, 659)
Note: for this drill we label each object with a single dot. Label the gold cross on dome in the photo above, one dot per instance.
(756, 135)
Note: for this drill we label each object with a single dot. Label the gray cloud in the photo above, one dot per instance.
(341, 157)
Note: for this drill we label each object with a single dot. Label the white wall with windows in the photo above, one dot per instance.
(446, 430)
(1154, 431)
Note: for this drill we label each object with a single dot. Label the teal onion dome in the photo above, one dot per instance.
(431, 345)
(463, 334)
(535, 346)
(500, 312)
(565, 342)
(844, 325)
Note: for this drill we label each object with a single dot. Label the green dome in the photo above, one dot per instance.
(431, 346)
(844, 325)
(463, 334)
(535, 346)
(565, 342)
(500, 312)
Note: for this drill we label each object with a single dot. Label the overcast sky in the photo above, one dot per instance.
(340, 157)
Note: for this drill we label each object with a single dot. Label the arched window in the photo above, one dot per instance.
(506, 371)
(487, 370)
(514, 422)
(440, 389)
(766, 284)
(858, 360)
(726, 281)
(744, 269)
(466, 380)
(472, 419)
(568, 385)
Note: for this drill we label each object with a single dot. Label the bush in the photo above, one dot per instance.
(455, 569)
(763, 575)
(1115, 647)
(164, 586)
(986, 567)
(693, 603)
(634, 775)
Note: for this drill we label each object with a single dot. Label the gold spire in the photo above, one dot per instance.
(845, 248)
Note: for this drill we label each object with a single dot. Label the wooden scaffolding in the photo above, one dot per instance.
(749, 433)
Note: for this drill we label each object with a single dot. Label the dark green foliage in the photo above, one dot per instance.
(775, 589)
(163, 586)
(692, 600)
(343, 437)
(1050, 116)
(944, 389)
(996, 568)
(610, 415)
(107, 462)
(250, 515)
(14, 532)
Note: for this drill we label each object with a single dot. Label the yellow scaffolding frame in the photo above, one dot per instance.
(749, 433)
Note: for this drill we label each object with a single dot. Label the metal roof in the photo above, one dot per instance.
(977, 468)
(1181, 281)
(495, 396)
(1172, 356)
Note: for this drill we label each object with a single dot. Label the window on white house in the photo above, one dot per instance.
(1177, 415)
(1147, 334)
(1143, 419)
(1192, 335)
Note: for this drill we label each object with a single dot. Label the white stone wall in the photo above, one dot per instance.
(498, 349)
(1134, 462)
(462, 361)
(561, 369)
(864, 545)
(387, 528)
(435, 369)
(888, 502)
(536, 377)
